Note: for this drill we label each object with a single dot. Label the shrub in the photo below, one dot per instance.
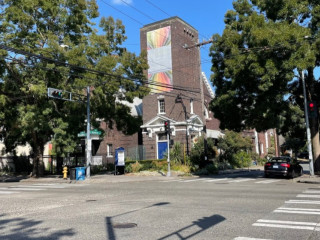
(241, 159)
(136, 167)
(159, 165)
(197, 152)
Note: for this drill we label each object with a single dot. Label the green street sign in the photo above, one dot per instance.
(92, 132)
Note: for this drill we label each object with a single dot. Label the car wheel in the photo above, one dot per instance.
(293, 174)
(301, 172)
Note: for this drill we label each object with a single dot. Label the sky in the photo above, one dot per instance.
(207, 16)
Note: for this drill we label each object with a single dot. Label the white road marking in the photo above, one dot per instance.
(7, 192)
(268, 181)
(247, 238)
(25, 189)
(240, 180)
(283, 226)
(287, 224)
(302, 202)
(39, 186)
(216, 180)
(308, 196)
(194, 180)
(311, 191)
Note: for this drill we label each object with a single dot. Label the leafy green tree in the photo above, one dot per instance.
(232, 143)
(257, 64)
(197, 154)
(68, 54)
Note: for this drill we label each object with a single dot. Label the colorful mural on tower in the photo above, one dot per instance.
(159, 60)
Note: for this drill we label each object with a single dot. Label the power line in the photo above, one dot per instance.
(25, 53)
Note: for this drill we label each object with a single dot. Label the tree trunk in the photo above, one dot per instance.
(38, 165)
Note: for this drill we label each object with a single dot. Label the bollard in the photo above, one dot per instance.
(65, 171)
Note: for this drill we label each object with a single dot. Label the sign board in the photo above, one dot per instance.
(119, 157)
(92, 132)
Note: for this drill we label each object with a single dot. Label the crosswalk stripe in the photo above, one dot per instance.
(41, 186)
(216, 180)
(240, 180)
(7, 192)
(25, 189)
(248, 238)
(194, 180)
(268, 181)
(283, 226)
(310, 191)
(287, 222)
(308, 196)
(303, 202)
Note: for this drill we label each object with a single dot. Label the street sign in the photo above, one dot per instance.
(92, 132)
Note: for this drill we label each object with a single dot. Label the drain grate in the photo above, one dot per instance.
(124, 225)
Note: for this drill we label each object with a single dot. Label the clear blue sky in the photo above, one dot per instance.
(207, 16)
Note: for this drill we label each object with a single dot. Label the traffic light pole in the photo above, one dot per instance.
(307, 125)
(168, 159)
(88, 145)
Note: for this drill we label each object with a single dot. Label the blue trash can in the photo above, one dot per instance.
(80, 173)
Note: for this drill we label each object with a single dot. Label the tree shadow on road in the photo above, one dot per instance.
(26, 229)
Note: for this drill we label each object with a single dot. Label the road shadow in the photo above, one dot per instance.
(26, 229)
(110, 225)
(203, 223)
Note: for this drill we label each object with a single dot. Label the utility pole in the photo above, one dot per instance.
(202, 96)
(307, 125)
(88, 145)
(68, 96)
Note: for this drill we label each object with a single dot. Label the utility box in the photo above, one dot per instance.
(80, 173)
(119, 163)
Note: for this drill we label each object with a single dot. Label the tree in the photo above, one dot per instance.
(231, 144)
(197, 155)
(66, 53)
(257, 64)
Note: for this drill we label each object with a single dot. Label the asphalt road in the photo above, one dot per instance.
(242, 206)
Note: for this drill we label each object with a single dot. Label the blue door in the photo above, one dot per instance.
(162, 149)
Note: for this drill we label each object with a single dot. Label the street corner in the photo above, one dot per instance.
(306, 178)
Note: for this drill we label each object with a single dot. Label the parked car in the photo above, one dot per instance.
(283, 166)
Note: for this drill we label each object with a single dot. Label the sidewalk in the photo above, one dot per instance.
(144, 176)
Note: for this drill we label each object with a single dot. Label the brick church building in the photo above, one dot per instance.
(180, 92)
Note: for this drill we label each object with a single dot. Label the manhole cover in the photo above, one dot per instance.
(124, 225)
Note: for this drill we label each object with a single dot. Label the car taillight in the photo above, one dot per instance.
(268, 164)
(285, 165)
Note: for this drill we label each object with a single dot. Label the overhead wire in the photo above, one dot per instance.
(25, 53)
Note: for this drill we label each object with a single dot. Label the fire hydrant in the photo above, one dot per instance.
(65, 171)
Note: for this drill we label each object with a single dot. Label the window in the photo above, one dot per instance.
(109, 150)
(161, 106)
(191, 106)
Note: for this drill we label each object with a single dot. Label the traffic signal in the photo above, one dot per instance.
(54, 93)
(167, 127)
(312, 109)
